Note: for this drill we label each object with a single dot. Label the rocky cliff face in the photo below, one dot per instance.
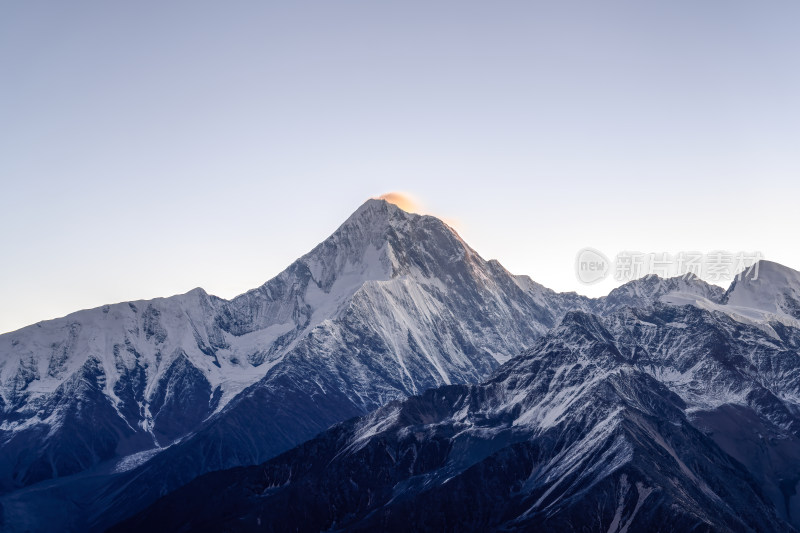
(620, 423)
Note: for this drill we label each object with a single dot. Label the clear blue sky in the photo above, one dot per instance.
(150, 147)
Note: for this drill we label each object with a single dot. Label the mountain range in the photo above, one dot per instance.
(481, 400)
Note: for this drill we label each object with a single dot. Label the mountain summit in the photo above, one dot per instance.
(390, 304)
(769, 287)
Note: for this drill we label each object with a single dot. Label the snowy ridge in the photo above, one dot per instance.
(574, 434)
(401, 292)
(599, 425)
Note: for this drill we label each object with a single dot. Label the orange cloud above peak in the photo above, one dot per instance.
(410, 204)
(402, 200)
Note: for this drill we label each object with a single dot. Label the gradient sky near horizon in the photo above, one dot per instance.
(147, 148)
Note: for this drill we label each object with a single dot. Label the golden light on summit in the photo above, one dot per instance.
(402, 200)
(409, 204)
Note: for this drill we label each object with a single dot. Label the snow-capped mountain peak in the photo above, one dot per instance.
(650, 289)
(769, 287)
(391, 303)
